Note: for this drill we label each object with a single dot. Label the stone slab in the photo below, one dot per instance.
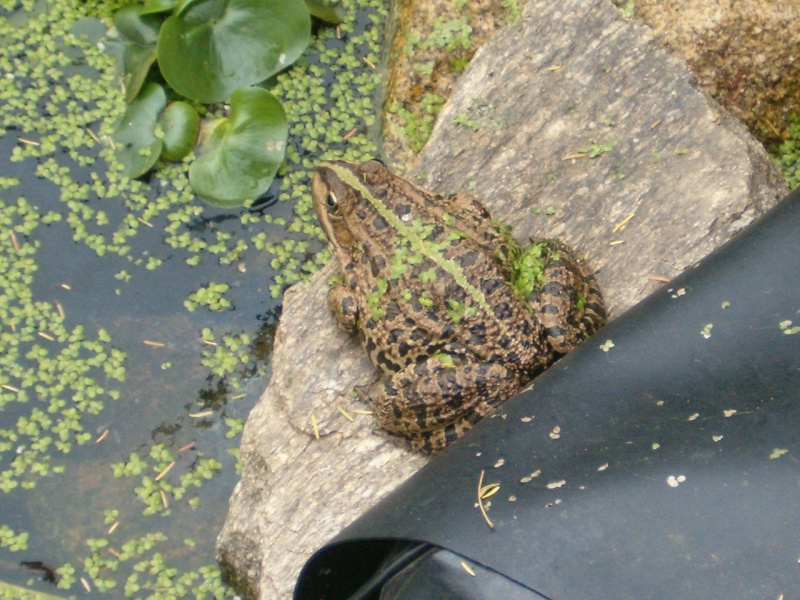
(672, 178)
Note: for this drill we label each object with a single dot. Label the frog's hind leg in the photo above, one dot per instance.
(594, 307)
(433, 402)
(434, 441)
(568, 303)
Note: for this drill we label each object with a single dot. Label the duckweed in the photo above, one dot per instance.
(63, 383)
(61, 374)
(235, 427)
(211, 296)
(158, 490)
(11, 540)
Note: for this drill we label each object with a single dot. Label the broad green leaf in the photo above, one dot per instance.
(135, 140)
(179, 124)
(208, 48)
(136, 64)
(136, 27)
(239, 158)
(140, 33)
(328, 14)
(152, 7)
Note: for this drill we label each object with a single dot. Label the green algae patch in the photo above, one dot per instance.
(157, 486)
(13, 541)
(16, 592)
(211, 296)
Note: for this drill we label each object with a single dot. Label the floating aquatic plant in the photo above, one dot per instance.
(210, 51)
(242, 153)
(59, 107)
(209, 48)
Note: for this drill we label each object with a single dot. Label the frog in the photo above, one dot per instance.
(455, 315)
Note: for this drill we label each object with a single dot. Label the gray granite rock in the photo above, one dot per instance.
(572, 110)
(574, 80)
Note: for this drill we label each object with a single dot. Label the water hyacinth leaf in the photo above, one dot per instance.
(180, 124)
(137, 146)
(136, 63)
(208, 48)
(152, 7)
(136, 27)
(140, 33)
(239, 158)
(329, 14)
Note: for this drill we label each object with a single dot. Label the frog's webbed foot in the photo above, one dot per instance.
(568, 303)
(427, 405)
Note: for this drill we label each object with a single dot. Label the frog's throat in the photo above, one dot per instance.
(449, 265)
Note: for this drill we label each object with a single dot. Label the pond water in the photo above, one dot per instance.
(137, 322)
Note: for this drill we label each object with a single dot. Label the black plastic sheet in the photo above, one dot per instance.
(661, 459)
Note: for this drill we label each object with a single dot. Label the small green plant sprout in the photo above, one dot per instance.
(209, 51)
(463, 119)
(596, 149)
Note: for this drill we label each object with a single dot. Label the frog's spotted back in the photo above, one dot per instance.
(427, 286)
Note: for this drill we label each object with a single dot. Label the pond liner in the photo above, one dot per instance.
(666, 465)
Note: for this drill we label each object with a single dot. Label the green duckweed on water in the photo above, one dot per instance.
(136, 321)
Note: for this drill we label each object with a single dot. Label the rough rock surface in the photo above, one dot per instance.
(744, 53)
(573, 111)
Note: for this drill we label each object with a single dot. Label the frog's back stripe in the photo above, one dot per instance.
(434, 254)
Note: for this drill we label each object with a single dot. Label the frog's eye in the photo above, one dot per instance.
(331, 202)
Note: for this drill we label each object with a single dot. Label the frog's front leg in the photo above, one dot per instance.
(568, 302)
(428, 404)
(344, 306)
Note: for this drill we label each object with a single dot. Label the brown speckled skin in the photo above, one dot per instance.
(425, 287)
